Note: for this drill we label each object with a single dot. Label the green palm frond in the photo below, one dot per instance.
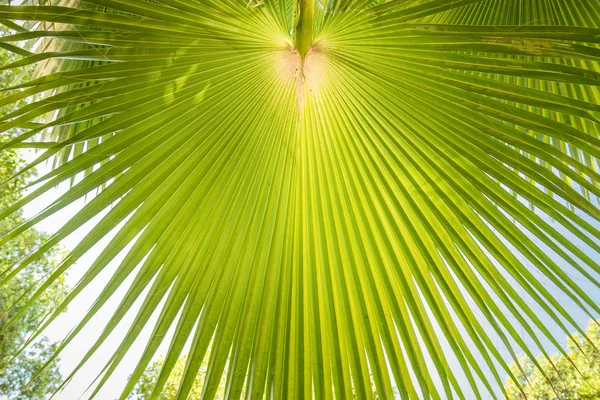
(389, 211)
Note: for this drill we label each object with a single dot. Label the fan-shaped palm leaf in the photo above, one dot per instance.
(368, 211)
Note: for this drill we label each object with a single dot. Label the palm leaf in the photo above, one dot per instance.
(377, 215)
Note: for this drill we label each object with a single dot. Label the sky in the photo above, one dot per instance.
(62, 326)
(73, 353)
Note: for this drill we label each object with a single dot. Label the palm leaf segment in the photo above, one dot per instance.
(386, 213)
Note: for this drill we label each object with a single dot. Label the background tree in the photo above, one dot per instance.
(146, 383)
(575, 376)
(15, 374)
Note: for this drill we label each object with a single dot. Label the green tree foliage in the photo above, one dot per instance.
(16, 373)
(574, 376)
(147, 381)
(325, 193)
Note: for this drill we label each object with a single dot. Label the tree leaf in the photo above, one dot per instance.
(366, 220)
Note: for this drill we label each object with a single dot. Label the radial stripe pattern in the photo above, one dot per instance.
(403, 212)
